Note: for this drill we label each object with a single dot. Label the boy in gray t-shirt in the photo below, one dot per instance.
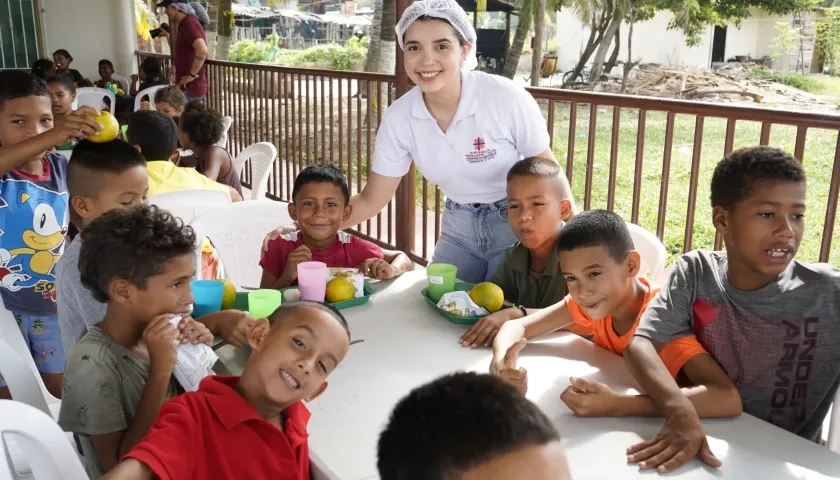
(770, 321)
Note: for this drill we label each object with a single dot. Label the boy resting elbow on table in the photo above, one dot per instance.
(140, 262)
(769, 321)
(528, 274)
(320, 202)
(600, 266)
(469, 426)
(104, 177)
(254, 426)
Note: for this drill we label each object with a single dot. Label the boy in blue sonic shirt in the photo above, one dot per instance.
(34, 214)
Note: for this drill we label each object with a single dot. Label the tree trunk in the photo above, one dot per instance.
(388, 38)
(614, 56)
(536, 58)
(596, 34)
(224, 18)
(512, 60)
(600, 56)
(629, 65)
(372, 57)
(212, 28)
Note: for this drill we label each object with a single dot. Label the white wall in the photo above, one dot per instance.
(652, 42)
(754, 36)
(91, 30)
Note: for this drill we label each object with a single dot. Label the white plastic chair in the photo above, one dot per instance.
(31, 436)
(223, 140)
(188, 204)
(237, 231)
(151, 94)
(262, 157)
(650, 249)
(94, 97)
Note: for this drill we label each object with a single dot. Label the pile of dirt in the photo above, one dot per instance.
(727, 84)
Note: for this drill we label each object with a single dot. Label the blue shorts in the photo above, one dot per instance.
(40, 332)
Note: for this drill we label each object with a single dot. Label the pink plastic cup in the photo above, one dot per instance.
(312, 280)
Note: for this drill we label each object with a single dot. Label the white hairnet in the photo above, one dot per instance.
(448, 10)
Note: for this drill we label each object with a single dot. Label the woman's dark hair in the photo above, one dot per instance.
(65, 79)
(43, 68)
(64, 53)
(426, 18)
(151, 67)
(203, 125)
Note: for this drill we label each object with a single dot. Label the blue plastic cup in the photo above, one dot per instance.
(207, 296)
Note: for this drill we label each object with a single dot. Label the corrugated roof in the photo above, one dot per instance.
(249, 11)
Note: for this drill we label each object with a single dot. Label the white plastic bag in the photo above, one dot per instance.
(460, 304)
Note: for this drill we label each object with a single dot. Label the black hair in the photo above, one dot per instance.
(203, 125)
(426, 18)
(535, 167)
(106, 62)
(65, 79)
(154, 132)
(456, 422)
(86, 174)
(131, 244)
(43, 68)
(286, 310)
(151, 67)
(318, 173)
(85, 82)
(736, 174)
(64, 53)
(19, 84)
(172, 96)
(596, 228)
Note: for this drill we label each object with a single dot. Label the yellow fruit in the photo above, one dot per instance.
(340, 289)
(110, 130)
(488, 295)
(229, 295)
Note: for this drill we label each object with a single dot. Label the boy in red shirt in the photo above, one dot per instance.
(253, 426)
(600, 266)
(320, 203)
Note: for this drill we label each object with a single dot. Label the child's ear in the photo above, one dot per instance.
(317, 393)
(565, 209)
(258, 332)
(120, 290)
(720, 219)
(80, 206)
(348, 210)
(633, 262)
(293, 212)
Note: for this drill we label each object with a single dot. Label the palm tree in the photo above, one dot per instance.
(523, 27)
(224, 22)
(388, 38)
(372, 57)
(211, 29)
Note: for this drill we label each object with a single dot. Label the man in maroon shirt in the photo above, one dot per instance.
(190, 49)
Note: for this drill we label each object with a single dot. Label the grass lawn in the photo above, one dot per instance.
(818, 162)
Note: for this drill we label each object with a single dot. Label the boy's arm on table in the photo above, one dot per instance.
(541, 322)
(77, 125)
(392, 264)
(232, 325)
(398, 260)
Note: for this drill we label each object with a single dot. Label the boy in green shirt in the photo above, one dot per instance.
(538, 205)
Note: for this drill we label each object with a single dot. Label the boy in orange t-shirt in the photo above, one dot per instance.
(600, 267)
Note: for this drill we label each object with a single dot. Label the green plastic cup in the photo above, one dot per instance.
(262, 303)
(441, 279)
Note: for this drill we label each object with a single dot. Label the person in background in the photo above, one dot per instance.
(140, 262)
(200, 131)
(85, 83)
(63, 59)
(150, 76)
(43, 68)
(33, 191)
(170, 101)
(62, 94)
(190, 49)
(768, 320)
(259, 416)
(107, 76)
(469, 426)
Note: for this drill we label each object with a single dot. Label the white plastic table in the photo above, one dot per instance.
(407, 344)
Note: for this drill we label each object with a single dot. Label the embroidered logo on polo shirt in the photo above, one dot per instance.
(480, 153)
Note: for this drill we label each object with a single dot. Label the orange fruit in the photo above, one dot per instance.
(340, 289)
(110, 130)
(488, 295)
(228, 295)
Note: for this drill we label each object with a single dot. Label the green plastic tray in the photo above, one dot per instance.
(459, 286)
(241, 302)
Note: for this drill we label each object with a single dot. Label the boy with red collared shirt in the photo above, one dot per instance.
(258, 416)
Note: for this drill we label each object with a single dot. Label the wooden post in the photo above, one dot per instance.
(405, 192)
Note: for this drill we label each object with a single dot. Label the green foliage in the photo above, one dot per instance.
(811, 84)
(339, 57)
(249, 51)
(785, 43)
(828, 40)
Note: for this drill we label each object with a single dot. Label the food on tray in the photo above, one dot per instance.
(460, 304)
(340, 289)
(488, 295)
(351, 274)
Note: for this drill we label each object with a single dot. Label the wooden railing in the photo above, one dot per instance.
(648, 159)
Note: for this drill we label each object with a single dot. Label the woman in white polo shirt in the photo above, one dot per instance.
(463, 130)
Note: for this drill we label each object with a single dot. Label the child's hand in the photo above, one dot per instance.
(506, 370)
(161, 339)
(194, 332)
(134, 77)
(77, 125)
(483, 332)
(378, 268)
(146, 105)
(277, 234)
(680, 439)
(297, 256)
(235, 330)
(586, 398)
